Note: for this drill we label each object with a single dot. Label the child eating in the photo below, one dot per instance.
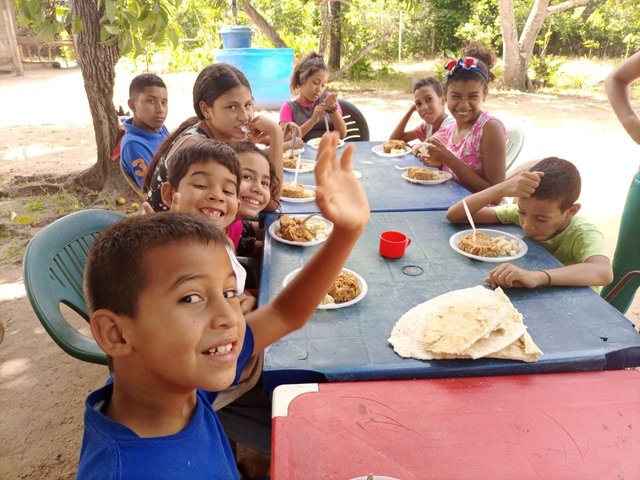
(474, 147)
(546, 210)
(313, 105)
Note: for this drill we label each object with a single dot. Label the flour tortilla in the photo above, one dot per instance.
(523, 349)
(469, 323)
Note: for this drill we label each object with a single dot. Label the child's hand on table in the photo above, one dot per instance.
(508, 275)
(339, 194)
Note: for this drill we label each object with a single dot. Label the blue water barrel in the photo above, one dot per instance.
(267, 69)
(236, 36)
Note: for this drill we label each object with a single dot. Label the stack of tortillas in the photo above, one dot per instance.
(469, 323)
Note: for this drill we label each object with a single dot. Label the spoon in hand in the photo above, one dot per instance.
(470, 218)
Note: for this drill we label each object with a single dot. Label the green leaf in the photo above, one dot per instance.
(173, 37)
(112, 29)
(110, 10)
(76, 25)
(125, 43)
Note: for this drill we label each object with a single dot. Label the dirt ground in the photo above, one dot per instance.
(46, 128)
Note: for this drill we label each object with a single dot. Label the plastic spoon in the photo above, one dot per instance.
(326, 122)
(470, 218)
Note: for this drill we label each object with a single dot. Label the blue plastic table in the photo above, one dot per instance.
(386, 189)
(575, 328)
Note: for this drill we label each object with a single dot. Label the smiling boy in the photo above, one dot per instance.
(145, 131)
(546, 209)
(173, 327)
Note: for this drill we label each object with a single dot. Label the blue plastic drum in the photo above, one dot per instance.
(267, 69)
(236, 36)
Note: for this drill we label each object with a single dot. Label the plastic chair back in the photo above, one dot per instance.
(515, 142)
(53, 267)
(357, 127)
(626, 258)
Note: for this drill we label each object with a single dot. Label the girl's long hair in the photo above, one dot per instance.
(212, 82)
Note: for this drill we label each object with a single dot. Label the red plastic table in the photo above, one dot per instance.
(582, 425)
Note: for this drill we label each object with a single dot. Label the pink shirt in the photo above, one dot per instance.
(468, 148)
(234, 232)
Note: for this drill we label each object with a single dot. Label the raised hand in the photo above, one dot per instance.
(330, 102)
(339, 194)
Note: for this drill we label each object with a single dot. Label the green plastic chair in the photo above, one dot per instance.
(53, 267)
(626, 259)
(515, 142)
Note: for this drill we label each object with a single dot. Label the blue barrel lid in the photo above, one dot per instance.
(252, 51)
(236, 28)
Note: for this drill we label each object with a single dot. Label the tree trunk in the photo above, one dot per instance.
(259, 21)
(325, 24)
(517, 53)
(97, 63)
(335, 38)
(384, 36)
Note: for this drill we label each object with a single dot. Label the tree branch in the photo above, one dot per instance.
(384, 35)
(561, 7)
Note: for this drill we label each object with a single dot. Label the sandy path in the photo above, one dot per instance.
(46, 127)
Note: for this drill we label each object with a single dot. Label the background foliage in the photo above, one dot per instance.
(168, 35)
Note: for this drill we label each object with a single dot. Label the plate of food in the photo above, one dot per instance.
(391, 148)
(315, 142)
(489, 245)
(348, 288)
(298, 193)
(425, 176)
(287, 229)
(289, 153)
(289, 165)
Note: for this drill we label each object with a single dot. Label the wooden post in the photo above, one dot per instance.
(7, 12)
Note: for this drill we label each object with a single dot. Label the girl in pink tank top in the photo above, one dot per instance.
(473, 148)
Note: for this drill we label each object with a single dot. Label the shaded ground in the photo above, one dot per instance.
(46, 128)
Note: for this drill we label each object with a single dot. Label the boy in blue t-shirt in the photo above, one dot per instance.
(163, 295)
(546, 209)
(145, 131)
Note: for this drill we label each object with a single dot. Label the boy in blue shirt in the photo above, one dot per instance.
(163, 295)
(546, 209)
(145, 131)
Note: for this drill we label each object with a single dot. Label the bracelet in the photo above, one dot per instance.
(330, 111)
(548, 277)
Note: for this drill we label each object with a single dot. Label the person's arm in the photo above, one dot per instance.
(342, 200)
(617, 88)
(334, 111)
(521, 185)
(399, 132)
(594, 271)
(134, 159)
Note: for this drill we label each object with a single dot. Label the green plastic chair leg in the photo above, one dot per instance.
(627, 255)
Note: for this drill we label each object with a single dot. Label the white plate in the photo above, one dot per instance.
(303, 199)
(305, 166)
(522, 247)
(332, 306)
(315, 142)
(262, 146)
(275, 226)
(296, 151)
(379, 150)
(447, 176)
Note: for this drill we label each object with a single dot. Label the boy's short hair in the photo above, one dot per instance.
(561, 181)
(201, 150)
(116, 271)
(142, 81)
